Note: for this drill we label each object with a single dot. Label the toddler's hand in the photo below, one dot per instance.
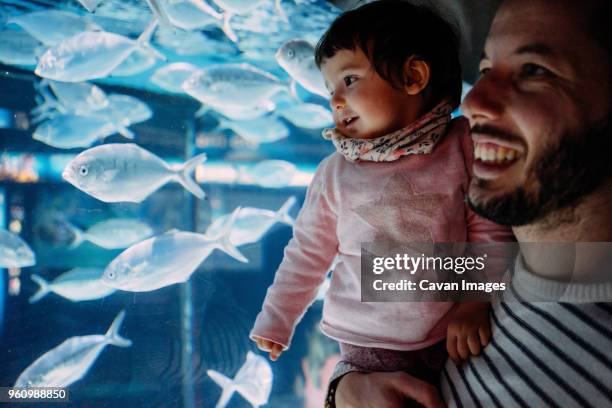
(275, 349)
(469, 330)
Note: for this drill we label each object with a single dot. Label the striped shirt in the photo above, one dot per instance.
(541, 354)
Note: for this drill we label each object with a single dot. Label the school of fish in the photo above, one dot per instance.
(68, 50)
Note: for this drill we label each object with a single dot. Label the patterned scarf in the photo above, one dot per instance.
(420, 137)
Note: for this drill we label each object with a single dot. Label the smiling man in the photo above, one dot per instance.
(540, 121)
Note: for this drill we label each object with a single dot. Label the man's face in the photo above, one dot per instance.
(539, 113)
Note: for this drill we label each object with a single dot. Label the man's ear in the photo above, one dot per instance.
(416, 75)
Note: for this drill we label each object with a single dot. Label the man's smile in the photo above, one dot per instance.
(491, 159)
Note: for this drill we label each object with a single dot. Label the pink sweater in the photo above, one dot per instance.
(417, 198)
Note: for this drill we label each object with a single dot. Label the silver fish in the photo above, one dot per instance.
(195, 15)
(77, 285)
(136, 63)
(245, 113)
(51, 26)
(233, 85)
(269, 173)
(265, 129)
(297, 58)
(253, 381)
(73, 131)
(14, 251)
(307, 115)
(18, 48)
(232, 7)
(193, 42)
(171, 77)
(253, 223)
(166, 259)
(125, 110)
(201, 5)
(239, 6)
(127, 172)
(114, 233)
(71, 360)
(90, 5)
(80, 98)
(92, 54)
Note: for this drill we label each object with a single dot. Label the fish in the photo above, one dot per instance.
(184, 42)
(124, 111)
(269, 173)
(136, 63)
(90, 5)
(170, 77)
(82, 98)
(51, 26)
(265, 129)
(307, 115)
(253, 381)
(253, 223)
(297, 58)
(71, 360)
(18, 48)
(247, 113)
(195, 15)
(238, 6)
(233, 85)
(126, 172)
(92, 55)
(201, 5)
(89, 121)
(241, 7)
(14, 251)
(158, 11)
(167, 259)
(74, 131)
(78, 284)
(232, 7)
(114, 233)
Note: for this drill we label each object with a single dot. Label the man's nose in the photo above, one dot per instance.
(486, 100)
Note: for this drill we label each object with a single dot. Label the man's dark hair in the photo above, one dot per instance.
(389, 32)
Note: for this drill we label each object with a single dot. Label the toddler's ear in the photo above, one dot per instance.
(416, 75)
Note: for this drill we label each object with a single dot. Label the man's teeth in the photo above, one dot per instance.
(494, 154)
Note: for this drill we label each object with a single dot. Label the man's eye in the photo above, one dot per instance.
(348, 80)
(530, 70)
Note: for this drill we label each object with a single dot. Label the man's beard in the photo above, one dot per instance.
(567, 172)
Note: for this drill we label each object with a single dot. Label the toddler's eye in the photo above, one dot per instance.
(348, 80)
(484, 71)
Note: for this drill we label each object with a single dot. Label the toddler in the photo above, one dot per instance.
(400, 174)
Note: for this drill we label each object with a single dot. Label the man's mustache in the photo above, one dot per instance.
(488, 130)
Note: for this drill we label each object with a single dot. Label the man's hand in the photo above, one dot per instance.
(384, 390)
(469, 330)
(273, 348)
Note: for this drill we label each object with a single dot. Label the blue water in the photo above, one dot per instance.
(181, 331)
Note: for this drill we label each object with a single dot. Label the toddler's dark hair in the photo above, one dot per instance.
(389, 32)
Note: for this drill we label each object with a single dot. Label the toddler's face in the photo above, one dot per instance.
(364, 105)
